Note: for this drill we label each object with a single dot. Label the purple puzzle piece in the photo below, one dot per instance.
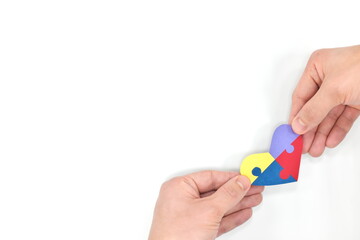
(282, 139)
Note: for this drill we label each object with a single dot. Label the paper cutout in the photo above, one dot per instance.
(282, 139)
(278, 166)
(253, 165)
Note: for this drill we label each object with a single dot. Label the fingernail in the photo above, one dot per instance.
(244, 182)
(298, 126)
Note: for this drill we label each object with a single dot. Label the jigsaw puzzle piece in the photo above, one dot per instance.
(282, 139)
(253, 165)
(291, 161)
(271, 176)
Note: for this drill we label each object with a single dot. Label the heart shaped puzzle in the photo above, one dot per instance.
(278, 166)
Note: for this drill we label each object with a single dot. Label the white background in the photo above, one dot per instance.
(102, 101)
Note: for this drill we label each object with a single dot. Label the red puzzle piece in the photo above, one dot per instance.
(291, 161)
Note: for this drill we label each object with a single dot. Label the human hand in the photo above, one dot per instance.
(203, 205)
(326, 101)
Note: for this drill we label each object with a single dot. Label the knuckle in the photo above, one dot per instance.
(318, 53)
(317, 57)
(258, 199)
(351, 116)
(247, 214)
(308, 115)
(333, 116)
(170, 184)
(231, 191)
(298, 96)
(164, 186)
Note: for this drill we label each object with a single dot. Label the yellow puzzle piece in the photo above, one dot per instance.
(260, 160)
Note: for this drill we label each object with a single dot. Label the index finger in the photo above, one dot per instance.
(307, 86)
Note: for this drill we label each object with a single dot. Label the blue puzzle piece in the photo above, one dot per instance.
(271, 176)
(282, 139)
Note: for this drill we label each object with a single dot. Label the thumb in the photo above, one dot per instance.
(314, 111)
(229, 194)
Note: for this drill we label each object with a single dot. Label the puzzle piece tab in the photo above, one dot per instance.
(255, 164)
(282, 139)
(291, 161)
(271, 176)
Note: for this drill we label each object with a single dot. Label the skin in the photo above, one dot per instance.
(203, 205)
(326, 101)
